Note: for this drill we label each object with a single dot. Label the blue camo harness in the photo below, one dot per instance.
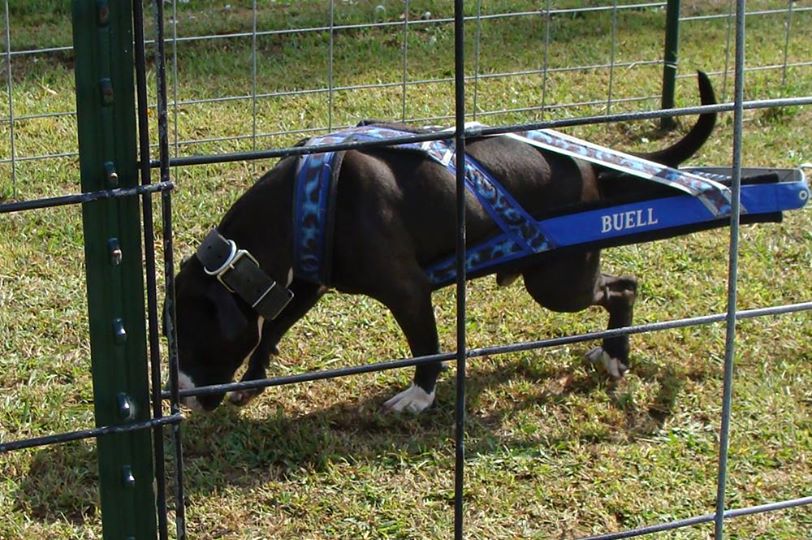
(521, 234)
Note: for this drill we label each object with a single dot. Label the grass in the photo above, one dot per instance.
(554, 451)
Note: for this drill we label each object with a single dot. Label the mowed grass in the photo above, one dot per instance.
(554, 450)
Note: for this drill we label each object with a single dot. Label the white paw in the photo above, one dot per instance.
(414, 400)
(614, 367)
(241, 398)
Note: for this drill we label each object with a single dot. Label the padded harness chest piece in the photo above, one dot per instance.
(240, 273)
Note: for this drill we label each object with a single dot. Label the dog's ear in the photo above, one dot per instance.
(230, 318)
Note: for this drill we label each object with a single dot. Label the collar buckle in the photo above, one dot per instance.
(231, 265)
(239, 272)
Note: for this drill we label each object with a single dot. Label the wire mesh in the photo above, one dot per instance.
(251, 136)
(460, 81)
(382, 21)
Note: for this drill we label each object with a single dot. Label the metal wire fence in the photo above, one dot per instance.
(256, 31)
(466, 72)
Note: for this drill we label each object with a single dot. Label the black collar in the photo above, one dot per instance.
(240, 273)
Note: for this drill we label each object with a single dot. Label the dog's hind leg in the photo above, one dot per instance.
(573, 283)
(617, 296)
(305, 296)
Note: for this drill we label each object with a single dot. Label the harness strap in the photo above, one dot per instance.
(712, 194)
(503, 209)
(317, 176)
(497, 201)
(239, 272)
(522, 235)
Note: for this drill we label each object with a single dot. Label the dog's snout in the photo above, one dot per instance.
(186, 383)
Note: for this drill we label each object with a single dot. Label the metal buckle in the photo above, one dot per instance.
(231, 256)
(229, 266)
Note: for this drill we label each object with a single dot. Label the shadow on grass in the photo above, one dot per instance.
(229, 448)
(61, 484)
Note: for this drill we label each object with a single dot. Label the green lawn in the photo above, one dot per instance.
(554, 450)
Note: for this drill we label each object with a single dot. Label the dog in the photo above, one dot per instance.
(394, 215)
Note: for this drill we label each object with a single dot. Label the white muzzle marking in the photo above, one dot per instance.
(185, 383)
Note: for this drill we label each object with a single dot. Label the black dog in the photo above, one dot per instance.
(394, 214)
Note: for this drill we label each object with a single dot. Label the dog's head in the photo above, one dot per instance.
(216, 331)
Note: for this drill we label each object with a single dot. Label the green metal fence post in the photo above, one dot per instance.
(103, 46)
(670, 56)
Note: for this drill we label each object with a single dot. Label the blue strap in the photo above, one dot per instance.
(627, 221)
(715, 196)
(522, 235)
(311, 198)
(503, 208)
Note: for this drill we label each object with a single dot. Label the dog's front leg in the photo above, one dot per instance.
(257, 363)
(305, 296)
(412, 309)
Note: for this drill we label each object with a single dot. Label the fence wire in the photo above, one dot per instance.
(178, 144)
(560, 106)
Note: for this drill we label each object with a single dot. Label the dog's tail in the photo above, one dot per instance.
(686, 147)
